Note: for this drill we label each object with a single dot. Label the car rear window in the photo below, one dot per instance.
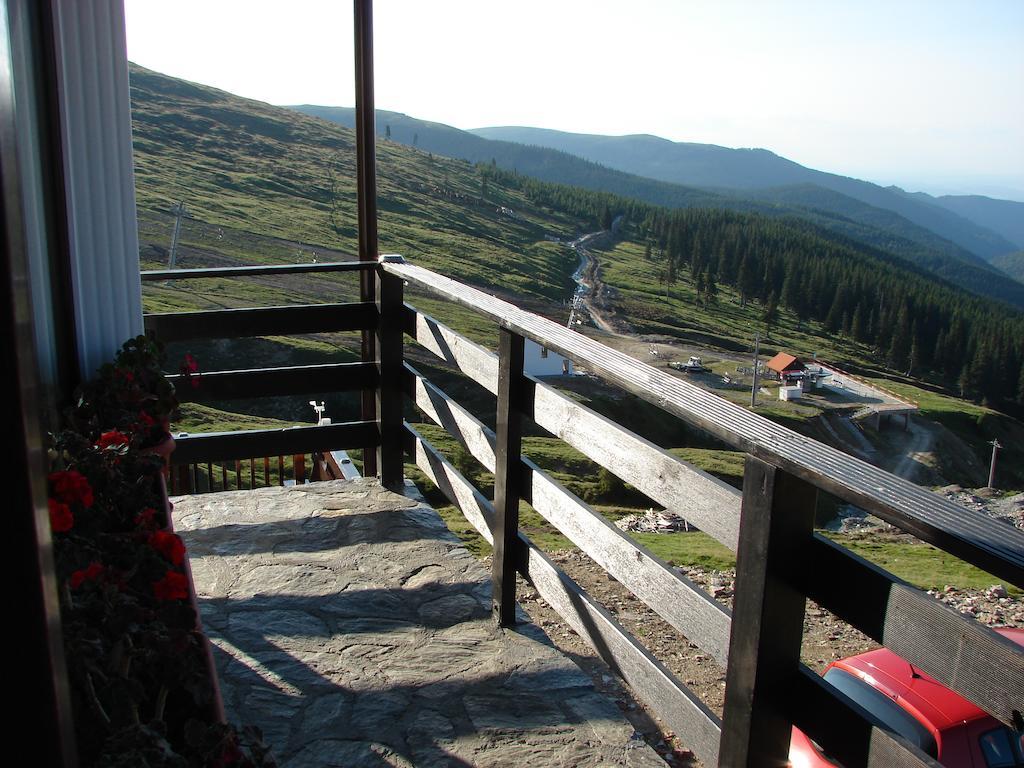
(888, 712)
(1001, 748)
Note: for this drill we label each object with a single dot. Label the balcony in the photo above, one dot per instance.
(781, 561)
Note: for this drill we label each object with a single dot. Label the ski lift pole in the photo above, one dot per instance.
(753, 389)
(992, 466)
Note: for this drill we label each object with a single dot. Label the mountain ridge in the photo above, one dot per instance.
(878, 228)
(710, 166)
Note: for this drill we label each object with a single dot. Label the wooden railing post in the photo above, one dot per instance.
(776, 527)
(507, 475)
(390, 454)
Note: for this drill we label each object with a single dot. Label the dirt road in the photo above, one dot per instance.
(921, 441)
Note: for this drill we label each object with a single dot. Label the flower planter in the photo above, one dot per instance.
(163, 449)
(142, 680)
(218, 700)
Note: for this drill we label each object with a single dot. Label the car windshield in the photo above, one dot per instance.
(892, 715)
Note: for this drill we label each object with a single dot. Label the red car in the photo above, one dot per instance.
(939, 721)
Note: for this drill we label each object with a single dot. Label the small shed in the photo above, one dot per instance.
(787, 367)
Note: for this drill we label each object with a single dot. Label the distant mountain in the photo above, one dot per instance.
(1003, 216)
(853, 219)
(711, 166)
(538, 162)
(1012, 264)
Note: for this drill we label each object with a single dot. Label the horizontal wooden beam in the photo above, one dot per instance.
(247, 444)
(274, 382)
(968, 534)
(475, 507)
(677, 706)
(679, 709)
(710, 504)
(671, 595)
(960, 653)
(152, 275)
(261, 321)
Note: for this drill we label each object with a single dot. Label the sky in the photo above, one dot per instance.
(928, 95)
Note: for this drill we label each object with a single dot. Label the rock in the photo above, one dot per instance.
(375, 713)
(449, 610)
(997, 591)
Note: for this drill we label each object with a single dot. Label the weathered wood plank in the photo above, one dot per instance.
(388, 395)
(476, 362)
(679, 601)
(275, 382)
(710, 504)
(960, 653)
(261, 321)
(224, 446)
(508, 476)
(445, 412)
(962, 532)
(150, 275)
(473, 505)
(768, 616)
(672, 596)
(677, 706)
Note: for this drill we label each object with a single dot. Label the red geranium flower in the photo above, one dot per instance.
(112, 439)
(71, 487)
(169, 545)
(92, 573)
(190, 369)
(61, 519)
(173, 586)
(146, 518)
(145, 419)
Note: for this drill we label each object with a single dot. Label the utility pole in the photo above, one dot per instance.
(178, 211)
(753, 389)
(992, 467)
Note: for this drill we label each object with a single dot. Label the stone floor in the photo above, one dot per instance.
(353, 628)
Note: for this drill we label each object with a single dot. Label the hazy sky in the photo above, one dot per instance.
(928, 95)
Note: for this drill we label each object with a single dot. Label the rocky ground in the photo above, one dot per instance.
(825, 638)
(1008, 508)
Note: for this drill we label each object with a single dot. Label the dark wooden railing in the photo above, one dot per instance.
(219, 461)
(781, 561)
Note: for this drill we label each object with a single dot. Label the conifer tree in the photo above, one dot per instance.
(770, 316)
(711, 289)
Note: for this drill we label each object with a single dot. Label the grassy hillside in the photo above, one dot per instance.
(267, 185)
(246, 167)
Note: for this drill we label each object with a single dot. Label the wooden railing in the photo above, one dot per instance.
(219, 461)
(781, 561)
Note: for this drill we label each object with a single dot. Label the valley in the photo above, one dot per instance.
(263, 185)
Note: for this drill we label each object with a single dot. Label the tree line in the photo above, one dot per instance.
(916, 322)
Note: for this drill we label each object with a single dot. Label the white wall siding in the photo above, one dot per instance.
(96, 122)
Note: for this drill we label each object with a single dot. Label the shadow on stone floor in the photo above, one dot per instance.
(354, 629)
(384, 706)
(310, 534)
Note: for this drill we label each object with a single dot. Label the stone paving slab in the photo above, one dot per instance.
(354, 629)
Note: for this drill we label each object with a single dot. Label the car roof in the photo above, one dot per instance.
(934, 704)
